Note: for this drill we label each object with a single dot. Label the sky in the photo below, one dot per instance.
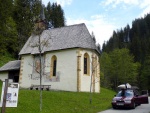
(102, 17)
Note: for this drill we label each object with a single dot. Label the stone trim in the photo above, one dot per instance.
(78, 71)
(21, 70)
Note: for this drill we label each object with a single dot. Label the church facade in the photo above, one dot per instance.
(69, 60)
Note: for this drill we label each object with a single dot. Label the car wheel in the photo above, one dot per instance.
(133, 105)
(114, 107)
(139, 104)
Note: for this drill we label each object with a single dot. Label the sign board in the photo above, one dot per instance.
(12, 94)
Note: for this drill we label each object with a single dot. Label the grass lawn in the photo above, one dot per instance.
(62, 102)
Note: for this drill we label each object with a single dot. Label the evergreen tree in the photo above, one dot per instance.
(25, 11)
(8, 32)
(118, 67)
(145, 74)
(17, 19)
(105, 70)
(55, 15)
(136, 39)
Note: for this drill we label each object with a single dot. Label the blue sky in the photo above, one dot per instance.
(103, 16)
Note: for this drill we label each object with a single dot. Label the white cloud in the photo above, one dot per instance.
(145, 5)
(140, 3)
(61, 2)
(114, 3)
(102, 29)
(145, 12)
(64, 2)
(97, 16)
(45, 2)
(131, 2)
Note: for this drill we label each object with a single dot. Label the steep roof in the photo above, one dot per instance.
(74, 36)
(12, 65)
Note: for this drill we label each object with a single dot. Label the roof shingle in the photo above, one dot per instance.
(74, 36)
(12, 65)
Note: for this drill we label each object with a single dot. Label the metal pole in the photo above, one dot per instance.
(4, 96)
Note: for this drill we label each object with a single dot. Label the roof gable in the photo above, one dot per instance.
(60, 38)
(12, 65)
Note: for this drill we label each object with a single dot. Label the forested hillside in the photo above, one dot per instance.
(17, 19)
(137, 40)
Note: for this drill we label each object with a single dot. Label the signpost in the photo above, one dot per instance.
(3, 95)
(9, 96)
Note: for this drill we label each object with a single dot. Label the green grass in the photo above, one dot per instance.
(59, 101)
(62, 102)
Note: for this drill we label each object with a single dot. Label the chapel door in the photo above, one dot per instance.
(14, 75)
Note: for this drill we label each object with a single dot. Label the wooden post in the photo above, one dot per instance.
(4, 96)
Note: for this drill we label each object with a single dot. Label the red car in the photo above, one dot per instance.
(128, 98)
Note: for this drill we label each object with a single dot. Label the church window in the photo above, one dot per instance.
(53, 65)
(86, 64)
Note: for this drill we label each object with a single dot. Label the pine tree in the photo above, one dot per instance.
(7, 28)
(136, 39)
(55, 15)
(25, 11)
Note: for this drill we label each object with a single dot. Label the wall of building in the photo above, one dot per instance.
(66, 70)
(26, 71)
(65, 79)
(68, 77)
(86, 78)
(3, 76)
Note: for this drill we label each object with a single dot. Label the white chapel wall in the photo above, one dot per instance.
(66, 70)
(26, 71)
(3, 76)
(86, 79)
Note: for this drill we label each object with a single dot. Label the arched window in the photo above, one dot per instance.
(86, 64)
(53, 65)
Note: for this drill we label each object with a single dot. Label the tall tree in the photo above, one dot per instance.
(136, 39)
(48, 11)
(55, 15)
(105, 70)
(8, 32)
(118, 67)
(123, 67)
(25, 11)
(145, 74)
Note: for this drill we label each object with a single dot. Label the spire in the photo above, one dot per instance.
(93, 36)
(42, 14)
(40, 22)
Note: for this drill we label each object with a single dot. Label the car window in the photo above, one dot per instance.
(126, 93)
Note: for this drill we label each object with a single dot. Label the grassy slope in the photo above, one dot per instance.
(59, 102)
(62, 102)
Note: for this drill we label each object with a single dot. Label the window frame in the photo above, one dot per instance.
(53, 67)
(86, 64)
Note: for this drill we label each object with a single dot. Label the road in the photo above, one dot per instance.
(143, 108)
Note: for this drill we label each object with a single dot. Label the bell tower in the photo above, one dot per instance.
(40, 22)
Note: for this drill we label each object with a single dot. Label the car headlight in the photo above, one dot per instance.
(113, 101)
(127, 101)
